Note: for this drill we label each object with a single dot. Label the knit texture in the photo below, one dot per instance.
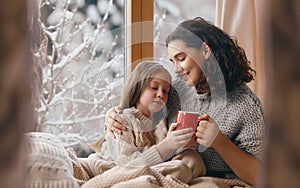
(239, 116)
(48, 162)
(126, 176)
(137, 146)
(132, 151)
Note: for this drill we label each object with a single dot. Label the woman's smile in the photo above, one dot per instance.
(187, 61)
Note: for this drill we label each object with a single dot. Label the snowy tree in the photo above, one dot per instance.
(82, 65)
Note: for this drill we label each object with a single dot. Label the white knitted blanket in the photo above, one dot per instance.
(143, 176)
(51, 165)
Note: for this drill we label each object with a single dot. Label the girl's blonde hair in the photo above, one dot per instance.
(138, 80)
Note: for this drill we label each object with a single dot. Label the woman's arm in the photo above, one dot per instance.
(244, 165)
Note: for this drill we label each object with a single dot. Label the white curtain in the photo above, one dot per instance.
(243, 19)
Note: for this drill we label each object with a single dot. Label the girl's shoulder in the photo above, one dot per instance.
(127, 112)
(129, 117)
(135, 120)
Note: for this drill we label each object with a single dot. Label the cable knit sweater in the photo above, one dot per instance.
(238, 114)
(137, 146)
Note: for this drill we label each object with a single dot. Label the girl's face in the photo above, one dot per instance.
(155, 95)
(187, 61)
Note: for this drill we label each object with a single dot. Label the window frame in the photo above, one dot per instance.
(138, 12)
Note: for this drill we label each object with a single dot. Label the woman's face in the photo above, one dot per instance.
(187, 61)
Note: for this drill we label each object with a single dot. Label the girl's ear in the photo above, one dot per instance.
(206, 50)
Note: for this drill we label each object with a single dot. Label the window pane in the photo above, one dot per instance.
(82, 66)
(169, 13)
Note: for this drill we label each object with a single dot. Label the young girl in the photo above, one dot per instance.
(147, 141)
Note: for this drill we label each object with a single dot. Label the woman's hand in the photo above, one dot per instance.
(207, 131)
(175, 139)
(113, 122)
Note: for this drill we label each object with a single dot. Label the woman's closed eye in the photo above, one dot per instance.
(178, 57)
(181, 58)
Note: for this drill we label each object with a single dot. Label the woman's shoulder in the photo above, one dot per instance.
(243, 93)
(243, 97)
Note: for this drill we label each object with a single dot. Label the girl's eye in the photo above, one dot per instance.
(154, 88)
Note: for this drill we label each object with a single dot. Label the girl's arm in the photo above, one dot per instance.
(124, 148)
(128, 154)
(125, 152)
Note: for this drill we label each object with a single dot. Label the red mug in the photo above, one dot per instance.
(187, 119)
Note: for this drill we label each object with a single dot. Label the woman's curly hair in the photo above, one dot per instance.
(230, 57)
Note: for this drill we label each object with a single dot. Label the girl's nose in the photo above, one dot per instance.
(160, 94)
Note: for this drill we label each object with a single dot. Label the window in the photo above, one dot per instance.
(83, 56)
(82, 66)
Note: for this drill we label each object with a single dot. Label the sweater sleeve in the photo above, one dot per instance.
(251, 137)
(126, 154)
(124, 151)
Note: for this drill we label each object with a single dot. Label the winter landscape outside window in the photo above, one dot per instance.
(82, 72)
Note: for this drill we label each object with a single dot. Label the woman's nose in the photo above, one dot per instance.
(178, 69)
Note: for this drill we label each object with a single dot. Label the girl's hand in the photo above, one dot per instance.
(113, 122)
(207, 131)
(178, 138)
(192, 142)
(175, 139)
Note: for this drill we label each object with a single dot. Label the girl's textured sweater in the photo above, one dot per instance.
(137, 146)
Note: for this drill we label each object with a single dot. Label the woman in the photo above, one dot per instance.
(232, 123)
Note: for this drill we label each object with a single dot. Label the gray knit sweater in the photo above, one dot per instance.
(238, 114)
